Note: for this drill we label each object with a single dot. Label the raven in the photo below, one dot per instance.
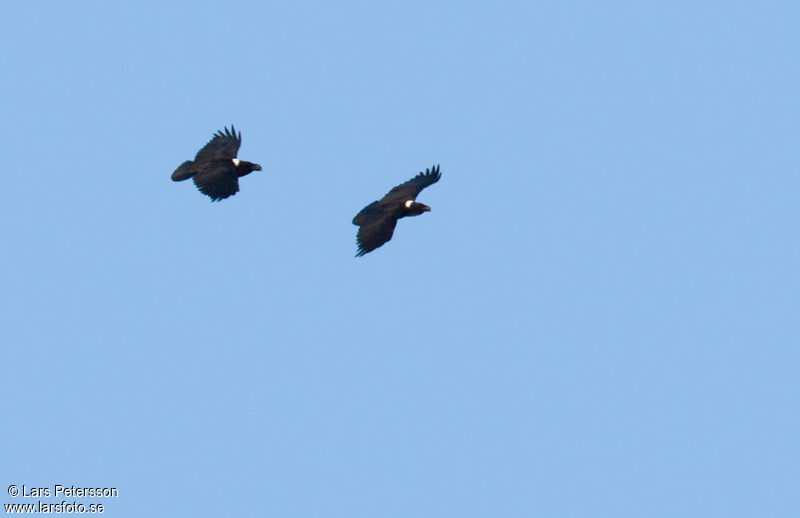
(215, 168)
(377, 220)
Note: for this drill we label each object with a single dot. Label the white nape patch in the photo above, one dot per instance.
(409, 203)
(236, 162)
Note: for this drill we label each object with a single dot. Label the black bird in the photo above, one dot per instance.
(378, 219)
(215, 168)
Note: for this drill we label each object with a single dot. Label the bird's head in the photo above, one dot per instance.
(243, 167)
(413, 208)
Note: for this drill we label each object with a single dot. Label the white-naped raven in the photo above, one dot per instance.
(377, 220)
(215, 168)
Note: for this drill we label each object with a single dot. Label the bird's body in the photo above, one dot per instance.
(215, 169)
(377, 220)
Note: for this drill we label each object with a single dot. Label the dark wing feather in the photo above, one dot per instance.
(223, 145)
(372, 235)
(411, 189)
(218, 180)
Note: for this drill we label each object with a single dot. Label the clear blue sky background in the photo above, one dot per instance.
(598, 317)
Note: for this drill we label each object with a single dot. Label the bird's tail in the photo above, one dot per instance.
(183, 171)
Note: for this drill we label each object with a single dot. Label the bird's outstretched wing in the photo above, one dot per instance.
(223, 145)
(218, 181)
(372, 235)
(411, 189)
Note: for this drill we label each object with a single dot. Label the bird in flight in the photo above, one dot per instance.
(215, 168)
(377, 220)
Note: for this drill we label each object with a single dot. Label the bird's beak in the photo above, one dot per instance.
(258, 167)
(426, 209)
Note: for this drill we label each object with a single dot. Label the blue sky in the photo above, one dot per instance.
(597, 318)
